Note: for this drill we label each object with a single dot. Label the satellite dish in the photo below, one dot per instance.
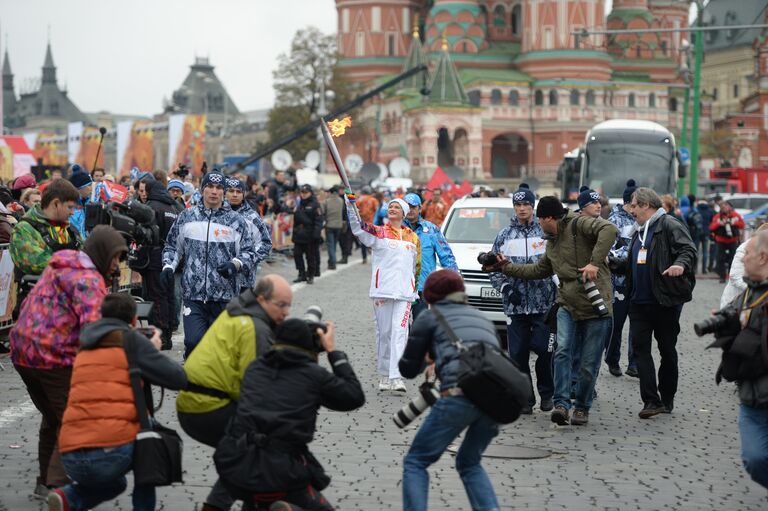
(281, 159)
(370, 172)
(312, 159)
(383, 172)
(353, 162)
(399, 167)
(307, 176)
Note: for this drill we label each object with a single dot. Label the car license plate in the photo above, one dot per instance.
(489, 292)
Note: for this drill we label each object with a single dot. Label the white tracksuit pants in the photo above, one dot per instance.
(391, 334)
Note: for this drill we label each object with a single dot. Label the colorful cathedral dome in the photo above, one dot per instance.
(463, 23)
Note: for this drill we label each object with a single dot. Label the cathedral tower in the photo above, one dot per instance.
(374, 36)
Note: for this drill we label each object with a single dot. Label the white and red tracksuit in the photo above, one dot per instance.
(396, 260)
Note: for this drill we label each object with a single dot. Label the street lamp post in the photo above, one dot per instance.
(698, 50)
(686, 72)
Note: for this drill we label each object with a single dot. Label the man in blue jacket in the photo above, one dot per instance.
(433, 247)
(262, 238)
(213, 245)
(527, 302)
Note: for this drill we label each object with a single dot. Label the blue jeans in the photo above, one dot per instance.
(587, 338)
(447, 419)
(99, 476)
(198, 318)
(526, 333)
(753, 427)
(613, 344)
(331, 239)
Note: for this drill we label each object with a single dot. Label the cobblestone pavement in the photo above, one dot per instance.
(688, 460)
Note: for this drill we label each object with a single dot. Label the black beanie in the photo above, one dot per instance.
(550, 206)
(629, 190)
(295, 332)
(524, 194)
(587, 196)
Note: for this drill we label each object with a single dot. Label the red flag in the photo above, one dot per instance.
(439, 180)
(112, 192)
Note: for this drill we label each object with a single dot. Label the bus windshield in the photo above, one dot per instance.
(610, 163)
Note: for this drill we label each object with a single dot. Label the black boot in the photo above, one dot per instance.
(300, 278)
(310, 280)
(343, 260)
(167, 344)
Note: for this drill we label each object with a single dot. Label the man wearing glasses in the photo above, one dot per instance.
(243, 332)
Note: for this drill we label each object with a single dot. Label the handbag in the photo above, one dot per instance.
(157, 449)
(252, 462)
(488, 377)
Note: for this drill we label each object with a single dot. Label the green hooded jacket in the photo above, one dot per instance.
(563, 257)
(29, 252)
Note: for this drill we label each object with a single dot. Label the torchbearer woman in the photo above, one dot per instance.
(396, 261)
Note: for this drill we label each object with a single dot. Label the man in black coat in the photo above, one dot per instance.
(307, 232)
(661, 276)
(280, 396)
(163, 309)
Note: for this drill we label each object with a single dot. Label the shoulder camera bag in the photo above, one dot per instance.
(157, 449)
(488, 377)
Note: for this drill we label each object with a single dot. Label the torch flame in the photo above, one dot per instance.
(338, 127)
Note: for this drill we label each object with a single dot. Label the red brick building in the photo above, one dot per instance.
(510, 92)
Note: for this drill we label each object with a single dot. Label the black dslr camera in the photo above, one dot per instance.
(487, 258)
(313, 317)
(723, 322)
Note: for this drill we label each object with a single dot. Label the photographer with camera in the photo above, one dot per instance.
(726, 226)
(211, 245)
(661, 269)
(453, 412)
(45, 339)
(264, 457)
(100, 422)
(243, 332)
(741, 331)
(576, 252)
(526, 303)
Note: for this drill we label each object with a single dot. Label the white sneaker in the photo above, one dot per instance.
(385, 384)
(398, 385)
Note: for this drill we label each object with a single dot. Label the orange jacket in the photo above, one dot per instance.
(435, 212)
(101, 411)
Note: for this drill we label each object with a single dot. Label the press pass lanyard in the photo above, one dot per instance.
(746, 311)
(642, 254)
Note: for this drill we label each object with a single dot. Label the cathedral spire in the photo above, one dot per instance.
(7, 64)
(49, 69)
(446, 84)
(415, 58)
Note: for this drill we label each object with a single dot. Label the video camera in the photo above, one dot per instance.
(487, 258)
(134, 220)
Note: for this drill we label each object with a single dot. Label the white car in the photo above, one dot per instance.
(745, 203)
(471, 227)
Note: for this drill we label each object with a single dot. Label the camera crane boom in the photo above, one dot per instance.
(312, 125)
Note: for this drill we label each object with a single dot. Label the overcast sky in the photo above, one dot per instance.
(124, 56)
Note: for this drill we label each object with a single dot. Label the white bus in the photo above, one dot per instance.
(618, 150)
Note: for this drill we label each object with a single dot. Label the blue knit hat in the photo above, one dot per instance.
(175, 183)
(213, 178)
(80, 180)
(233, 182)
(413, 199)
(629, 190)
(587, 196)
(523, 195)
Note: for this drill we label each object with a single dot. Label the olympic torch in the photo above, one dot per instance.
(336, 128)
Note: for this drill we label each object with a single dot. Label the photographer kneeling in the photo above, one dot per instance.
(740, 330)
(452, 413)
(100, 422)
(264, 459)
